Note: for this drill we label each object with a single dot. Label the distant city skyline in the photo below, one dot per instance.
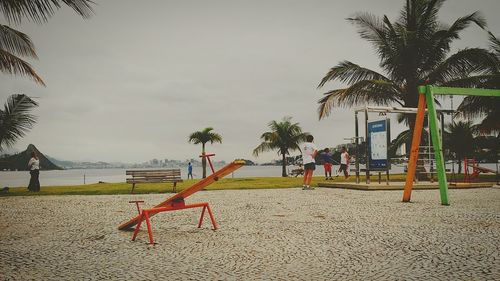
(133, 81)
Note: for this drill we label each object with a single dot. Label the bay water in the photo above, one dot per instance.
(91, 176)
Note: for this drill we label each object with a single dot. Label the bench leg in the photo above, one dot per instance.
(133, 186)
(175, 185)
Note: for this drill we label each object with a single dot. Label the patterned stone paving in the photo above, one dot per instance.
(281, 234)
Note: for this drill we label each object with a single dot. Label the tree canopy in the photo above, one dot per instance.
(413, 50)
(284, 137)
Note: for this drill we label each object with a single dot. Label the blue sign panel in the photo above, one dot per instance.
(378, 136)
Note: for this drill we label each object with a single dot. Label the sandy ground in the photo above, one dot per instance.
(286, 234)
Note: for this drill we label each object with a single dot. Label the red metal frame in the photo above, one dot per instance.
(470, 162)
(204, 155)
(145, 214)
(137, 204)
(176, 202)
(224, 171)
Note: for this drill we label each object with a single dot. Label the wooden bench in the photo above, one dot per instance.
(151, 176)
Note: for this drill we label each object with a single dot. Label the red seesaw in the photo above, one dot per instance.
(176, 202)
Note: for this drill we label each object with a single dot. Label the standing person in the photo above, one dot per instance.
(344, 162)
(327, 163)
(190, 170)
(309, 152)
(34, 167)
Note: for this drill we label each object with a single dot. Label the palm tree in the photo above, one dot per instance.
(284, 136)
(15, 45)
(489, 107)
(15, 119)
(204, 136)
(460, 140)
(414, 50)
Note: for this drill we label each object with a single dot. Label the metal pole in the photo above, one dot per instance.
(451, 154)
(356, 130)
(388, 166)
(415, 144)
(367, 164)
(438, 152)
(497, 173)
(429, 152)
(442, 139)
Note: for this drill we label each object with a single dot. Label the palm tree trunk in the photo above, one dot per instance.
(203, 161)
(283, 166)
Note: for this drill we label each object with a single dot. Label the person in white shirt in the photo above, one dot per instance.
(34, 167)
(344, 162)
(309, 152)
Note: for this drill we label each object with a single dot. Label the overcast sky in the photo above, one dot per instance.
(132, 82)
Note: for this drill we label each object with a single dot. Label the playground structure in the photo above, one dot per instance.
(426, 97)
(177, 202)
(470, 176)
(385, 167)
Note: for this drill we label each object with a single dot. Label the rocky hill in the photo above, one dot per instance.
(19, 161)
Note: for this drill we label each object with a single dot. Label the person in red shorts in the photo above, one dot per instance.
(327, 163)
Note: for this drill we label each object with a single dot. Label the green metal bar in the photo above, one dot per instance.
(465, 91)
(436, 141)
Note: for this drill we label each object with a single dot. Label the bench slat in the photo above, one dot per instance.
(152, 181)
(156, 172)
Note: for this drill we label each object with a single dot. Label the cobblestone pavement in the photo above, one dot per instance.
(285, 234)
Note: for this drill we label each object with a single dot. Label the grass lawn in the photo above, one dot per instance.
(225, 183)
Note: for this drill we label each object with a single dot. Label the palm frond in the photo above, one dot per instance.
(491, 81)
(463, 22)
(40, 11)
(494, 44)
(214, 137)
(350, 73)
(327, 102)
(16, 119)
(263, 147)
(475, 106)
(370, 27)
(14, 65)
(16, 42)
(427, 21)
(441, 40)
(461, 64)
(379, 92)
(195, 138)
